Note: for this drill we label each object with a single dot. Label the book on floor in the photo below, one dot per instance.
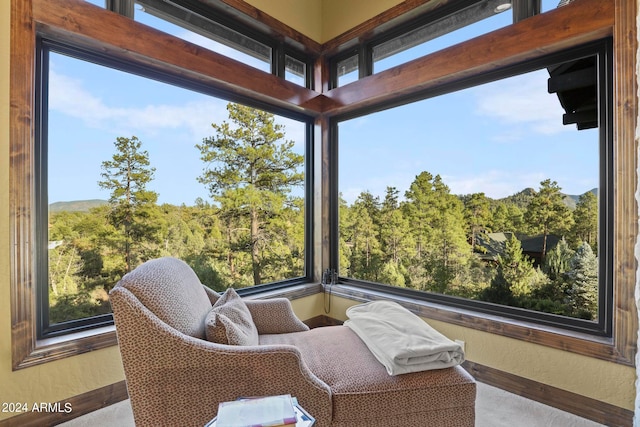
(266, 411)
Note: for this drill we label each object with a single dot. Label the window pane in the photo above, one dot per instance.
(456, 28)
(482, 193)
(552, 4)
(295, 71)
(206, 33)
(139, 169)
(100, 3)
(347, 70)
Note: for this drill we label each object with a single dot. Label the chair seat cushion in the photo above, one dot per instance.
(363, 391)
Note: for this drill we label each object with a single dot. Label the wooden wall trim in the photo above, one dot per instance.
(71, 408)
(625, 116)
(21, 96)
(582, 406)
(571, 25)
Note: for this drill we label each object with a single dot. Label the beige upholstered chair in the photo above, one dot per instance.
(177, 378)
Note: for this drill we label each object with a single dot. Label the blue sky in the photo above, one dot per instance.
(497, 138)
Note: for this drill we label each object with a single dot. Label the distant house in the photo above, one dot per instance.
(490, 245)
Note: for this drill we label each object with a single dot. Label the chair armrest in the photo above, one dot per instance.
(274, 316)
(176, 379)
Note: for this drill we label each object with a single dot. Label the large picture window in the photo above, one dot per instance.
(494, 196)
(132, 168)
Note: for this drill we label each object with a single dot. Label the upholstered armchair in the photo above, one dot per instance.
(185, 349)
(175, 377)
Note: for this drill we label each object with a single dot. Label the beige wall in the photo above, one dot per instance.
(60, 380)
(323, 20)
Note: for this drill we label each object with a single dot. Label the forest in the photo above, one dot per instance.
(248, 228)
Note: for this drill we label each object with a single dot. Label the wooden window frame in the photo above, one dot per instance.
(578, 23)
(66, 21)
(74, 20)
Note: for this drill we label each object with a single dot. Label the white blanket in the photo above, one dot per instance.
(400, 340)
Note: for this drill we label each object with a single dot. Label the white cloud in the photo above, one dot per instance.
(70, 97)
(521, 100)
(495, 184)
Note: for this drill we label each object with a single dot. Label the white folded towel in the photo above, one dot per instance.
(400, 340)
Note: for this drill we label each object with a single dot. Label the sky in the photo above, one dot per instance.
(497, 138)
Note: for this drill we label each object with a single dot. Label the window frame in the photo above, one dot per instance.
(571, 24)
(44, 46)
(551, 31)
(603, 326)
(205, 71)
(450, 10)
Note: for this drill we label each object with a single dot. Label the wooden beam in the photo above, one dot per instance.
(576, 23)
(73, 21)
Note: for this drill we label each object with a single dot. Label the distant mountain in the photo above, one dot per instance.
(522, 198)
(76, 205)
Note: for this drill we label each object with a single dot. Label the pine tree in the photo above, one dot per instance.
(585, 216)
(547, 213)
(127, 176)
(250, 171)
(477, 214)
(582, 283)
(516, 266)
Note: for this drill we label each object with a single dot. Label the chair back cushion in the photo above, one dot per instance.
(170, 289)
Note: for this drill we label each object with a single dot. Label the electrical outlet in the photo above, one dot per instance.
(461, 343)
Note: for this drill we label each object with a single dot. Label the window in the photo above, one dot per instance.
(133, 165)
(495, 196)
(219, 33)
(438, 33)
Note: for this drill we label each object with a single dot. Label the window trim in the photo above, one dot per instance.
(554, 30)
(210, 73)
(576, 22)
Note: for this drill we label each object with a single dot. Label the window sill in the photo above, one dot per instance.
(51, 349)
(575, 342)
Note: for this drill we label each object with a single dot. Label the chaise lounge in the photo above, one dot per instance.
(175, 376)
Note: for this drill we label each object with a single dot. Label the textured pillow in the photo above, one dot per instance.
(229, 321)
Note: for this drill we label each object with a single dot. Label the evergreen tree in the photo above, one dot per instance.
(547, 213)
(395, 236)
(582, 283)
(585, 216)
(127, 176)
(438, 225)
(250, 172)
(558, 260)
(366, 253)
(477, 213)
(514, 273)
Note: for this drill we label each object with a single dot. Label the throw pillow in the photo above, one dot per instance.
(229, 321)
